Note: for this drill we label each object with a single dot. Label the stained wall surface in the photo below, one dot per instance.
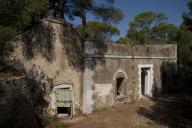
(51, 52)
(123, 61)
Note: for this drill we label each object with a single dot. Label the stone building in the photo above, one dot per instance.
(99, 76)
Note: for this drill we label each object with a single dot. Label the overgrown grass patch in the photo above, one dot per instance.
(49, 121)
(4, 75)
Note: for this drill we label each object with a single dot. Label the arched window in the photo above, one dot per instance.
(120, 86)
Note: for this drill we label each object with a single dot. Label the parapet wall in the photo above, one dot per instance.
(130, 51)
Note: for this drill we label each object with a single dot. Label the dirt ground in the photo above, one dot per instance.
(164, 112)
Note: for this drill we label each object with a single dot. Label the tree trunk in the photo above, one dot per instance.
(84, 23)
(62, 8)
(54, 9)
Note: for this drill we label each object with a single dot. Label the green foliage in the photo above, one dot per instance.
(138, 36)
(105, 11)
(99, 31)
(79, 8)
(141, 37)
(20, 14)
(6, 33)
(145, 20)
(151, 27)
(4, 75)
(132, 34)
(164, 32)
(112, 15)
(187, 17)
(185, 57)
(123, 40)
(184, 44)
(16, 17)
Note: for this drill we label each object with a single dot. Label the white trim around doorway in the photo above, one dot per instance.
(151, 77)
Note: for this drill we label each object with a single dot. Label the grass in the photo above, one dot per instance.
(4, 75)
(52, 122)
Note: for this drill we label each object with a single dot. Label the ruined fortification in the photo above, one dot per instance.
(99, 76)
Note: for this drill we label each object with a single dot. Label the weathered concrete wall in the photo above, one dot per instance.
(124, 59)
(51, 51)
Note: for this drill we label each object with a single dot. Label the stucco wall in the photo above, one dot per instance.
(51, 52)
(125, 59)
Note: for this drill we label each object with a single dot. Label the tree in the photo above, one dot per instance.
(164, 32)
(16, 17)
(137, 36)
(6, 33)
(187, 17)
(122, 41)
(151, 27)
(20, 14)
(99, 31)
(80, 8)
(62, 8)
(105, 11)
(184, 45)
(146, 20)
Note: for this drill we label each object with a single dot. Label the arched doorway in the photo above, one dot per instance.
(120, 83)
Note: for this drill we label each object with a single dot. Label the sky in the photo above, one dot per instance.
(173, 9)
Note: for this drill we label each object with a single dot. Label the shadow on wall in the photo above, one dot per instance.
(173, 111)
(155, 89)
(96, 51)
(72, 45)
(40, 39)
(169, 76)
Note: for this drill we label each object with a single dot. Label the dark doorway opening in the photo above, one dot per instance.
(120, 82)
(144, 80)
(64, 110)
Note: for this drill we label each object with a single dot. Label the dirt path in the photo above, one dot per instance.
(146, 113)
